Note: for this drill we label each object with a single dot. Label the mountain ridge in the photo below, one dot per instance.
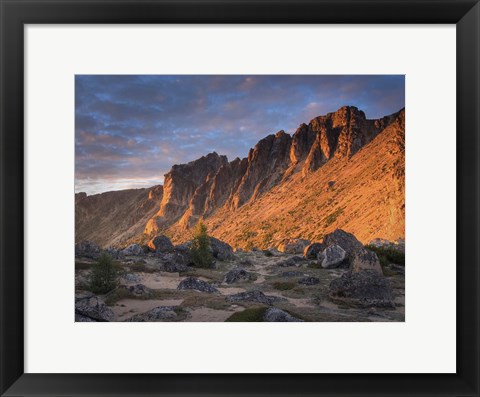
(212, 188)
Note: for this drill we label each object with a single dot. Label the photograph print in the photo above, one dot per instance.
(239, 198)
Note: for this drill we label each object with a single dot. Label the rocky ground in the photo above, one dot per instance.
(334, 280)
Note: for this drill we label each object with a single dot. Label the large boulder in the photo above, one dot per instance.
(272, 314)
(176, 261)
(293, 246)
(221, 250)
(160, 244)
(356, 255)
(160, 313)
(311, 251)
(88, 305)
(133, 250)
(365, 260)
(333, 256)
(254, 296)
(236, 275)
(366, 288)
(87, 249)
(197, 285)
(346, 240)
(173, 267)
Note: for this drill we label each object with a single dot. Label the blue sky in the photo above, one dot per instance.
(130, 130)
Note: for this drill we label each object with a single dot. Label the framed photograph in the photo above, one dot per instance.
(253, 198)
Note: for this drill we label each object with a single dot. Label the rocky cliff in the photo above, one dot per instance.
(110, 218)
(201, 188)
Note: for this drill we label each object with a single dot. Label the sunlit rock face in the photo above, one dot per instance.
(339, 170)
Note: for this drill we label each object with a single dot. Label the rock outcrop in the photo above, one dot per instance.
(160, 313)
(91, 308)
(198, 285)
(254, 296)
(87, 249)
(366, 288)
(236, 275)
(221, 250)
(160, 244)
(133, 250)
(273, 314)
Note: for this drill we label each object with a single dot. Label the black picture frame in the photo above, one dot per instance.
(16, 13)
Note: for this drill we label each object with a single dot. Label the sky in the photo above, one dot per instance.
(130, 130)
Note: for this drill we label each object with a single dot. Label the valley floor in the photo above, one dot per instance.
(148, 294)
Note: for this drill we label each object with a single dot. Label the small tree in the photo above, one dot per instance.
(200, 248)
(104, 275)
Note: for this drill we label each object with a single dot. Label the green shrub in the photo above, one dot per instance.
(248, 315)
(104, 275)
(200, 248)
(267, 253)
(388, 255)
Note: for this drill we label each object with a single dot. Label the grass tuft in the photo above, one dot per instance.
(388, 255)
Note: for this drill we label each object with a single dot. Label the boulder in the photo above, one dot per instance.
(115, 253)
(272, 314)
(133, 250)
(334, 256)
(366, 288)
(365, 260)
(176, 261)
(173, 267)
(160, 244)
(293, 246)
(310, 280)
(254, 296)
(198, 285)
(236, 275)
(347, 241)
(138, 290)
(320, 257)
(311, 251)
(87, 249)
(82, 319)
(221, 250)
(93, 307)
(160, 313)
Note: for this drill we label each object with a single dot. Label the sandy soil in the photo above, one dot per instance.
(161, 280)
